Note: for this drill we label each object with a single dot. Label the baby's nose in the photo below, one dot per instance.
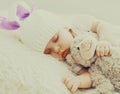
(56, 49)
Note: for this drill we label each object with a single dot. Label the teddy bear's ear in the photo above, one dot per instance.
(87, 47)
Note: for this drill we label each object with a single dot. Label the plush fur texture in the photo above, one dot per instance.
(104, 70)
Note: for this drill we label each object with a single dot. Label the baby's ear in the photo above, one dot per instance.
(69, 29)
(72, 32)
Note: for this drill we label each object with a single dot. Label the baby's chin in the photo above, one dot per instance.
(61, 59)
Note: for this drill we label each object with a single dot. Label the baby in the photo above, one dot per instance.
(60, 43)
(59, 47)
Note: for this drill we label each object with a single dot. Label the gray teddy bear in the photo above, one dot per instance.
(105, 71)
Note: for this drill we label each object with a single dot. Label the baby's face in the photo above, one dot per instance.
(59, 45)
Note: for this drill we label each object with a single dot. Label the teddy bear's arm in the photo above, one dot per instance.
(100, 82)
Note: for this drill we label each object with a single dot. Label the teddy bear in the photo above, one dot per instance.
(105, 71)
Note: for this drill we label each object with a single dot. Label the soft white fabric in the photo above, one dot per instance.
(25, 71)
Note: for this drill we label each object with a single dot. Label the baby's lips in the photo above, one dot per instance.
(64, 53)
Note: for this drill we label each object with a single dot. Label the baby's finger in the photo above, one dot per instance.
(67, 80)
(97, 51)
(110, 52)
(74, 87)
(69, 85)
(101, 51)
(106, 51)
(64, 78)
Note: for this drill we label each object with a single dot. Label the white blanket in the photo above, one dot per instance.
(24, 71)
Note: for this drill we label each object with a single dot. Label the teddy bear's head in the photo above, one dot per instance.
(84, 48)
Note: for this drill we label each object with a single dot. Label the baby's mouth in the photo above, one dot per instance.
(64, 53)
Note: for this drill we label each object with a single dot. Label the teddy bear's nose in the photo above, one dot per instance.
(78, 48)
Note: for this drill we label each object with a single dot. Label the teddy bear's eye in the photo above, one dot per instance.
(78, 48)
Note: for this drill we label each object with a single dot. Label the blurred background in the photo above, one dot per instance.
(108, 10)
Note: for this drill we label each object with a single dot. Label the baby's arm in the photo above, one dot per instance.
(73, 82)
(104, 32)
(101, 28)
(85, 79)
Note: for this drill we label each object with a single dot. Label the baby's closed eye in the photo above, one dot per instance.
(47, 51)
(55, 38)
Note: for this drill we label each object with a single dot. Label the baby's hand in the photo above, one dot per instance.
(72, 82)
(103, 49)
